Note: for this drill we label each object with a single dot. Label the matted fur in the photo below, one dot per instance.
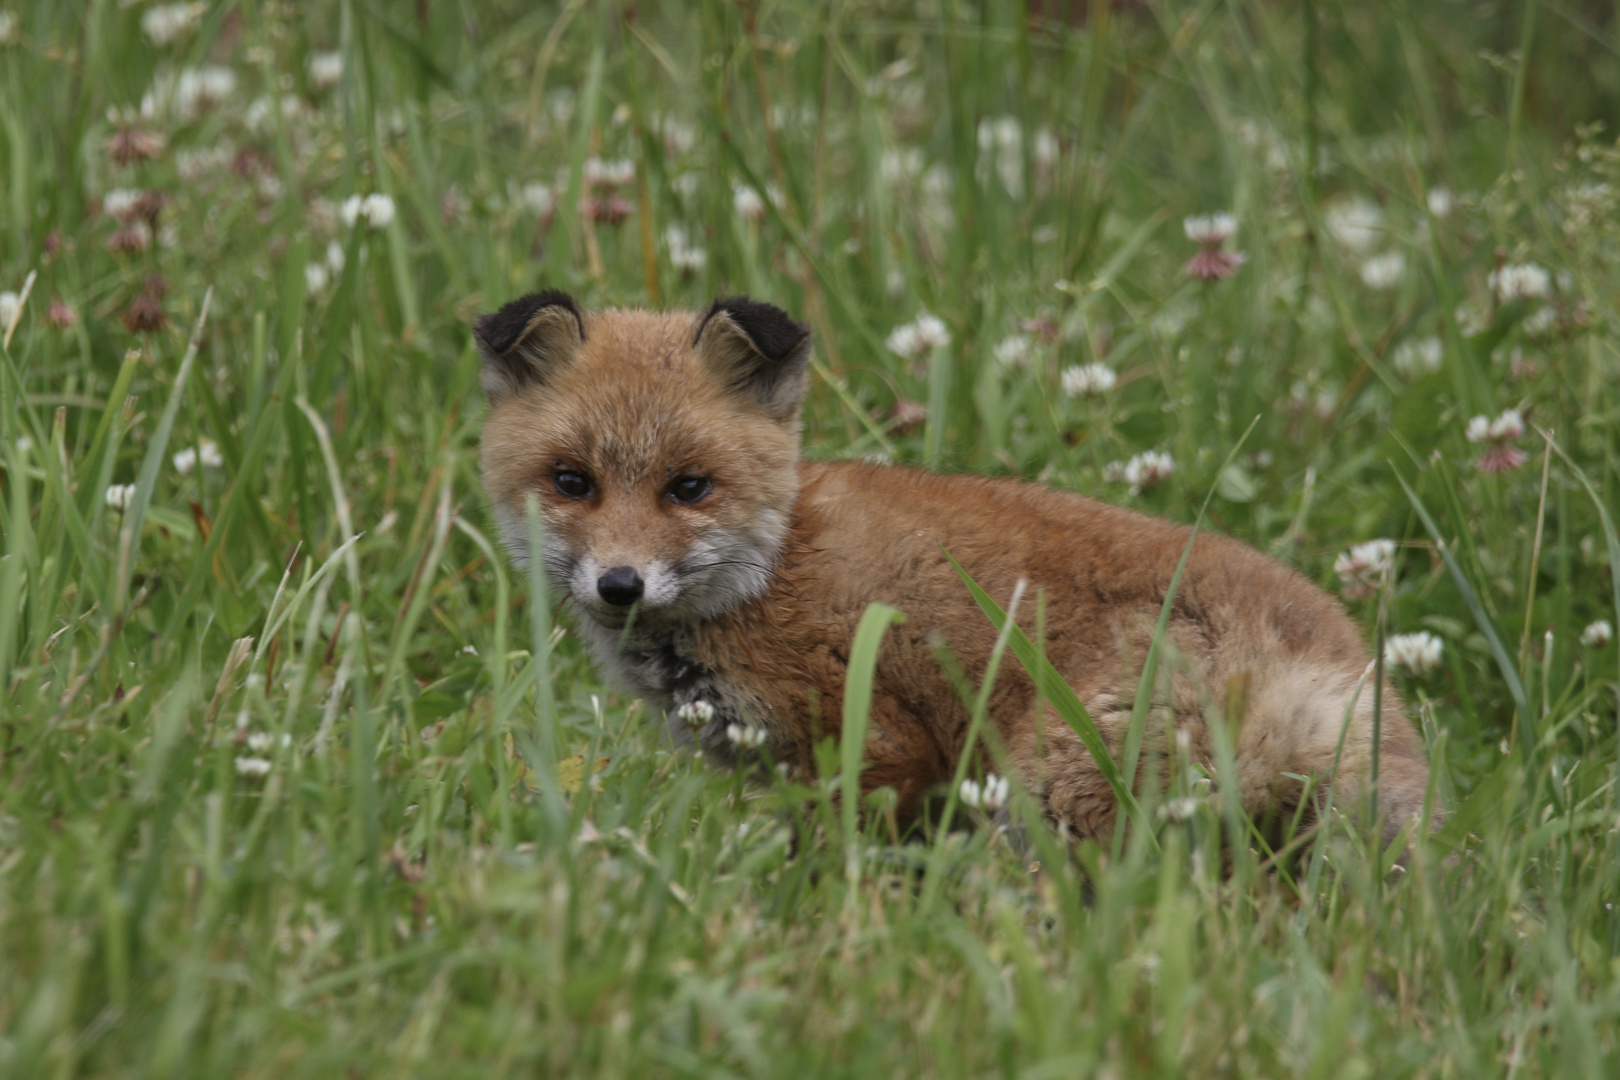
(753, 593)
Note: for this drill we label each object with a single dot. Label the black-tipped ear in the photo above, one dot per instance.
(758, 349)
(526, 340)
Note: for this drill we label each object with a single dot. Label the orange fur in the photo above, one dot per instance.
(636, 400)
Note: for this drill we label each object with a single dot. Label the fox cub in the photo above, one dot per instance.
(710, 567)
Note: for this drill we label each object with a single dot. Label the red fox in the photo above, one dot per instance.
(721, 578)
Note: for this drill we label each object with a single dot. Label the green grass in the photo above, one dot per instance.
(464, 861)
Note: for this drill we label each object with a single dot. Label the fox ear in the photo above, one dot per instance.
(758, 350)
(526, 340)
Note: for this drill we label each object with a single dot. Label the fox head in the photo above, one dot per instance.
(661, 448)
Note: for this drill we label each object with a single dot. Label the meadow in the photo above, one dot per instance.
(296, 781)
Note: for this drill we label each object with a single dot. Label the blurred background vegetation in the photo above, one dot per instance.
(293, 782)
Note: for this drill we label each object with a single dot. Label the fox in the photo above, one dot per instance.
(720, 577)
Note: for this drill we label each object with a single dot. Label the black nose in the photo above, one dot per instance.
(620, 586)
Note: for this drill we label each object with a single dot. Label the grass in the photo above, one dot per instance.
(294, 781)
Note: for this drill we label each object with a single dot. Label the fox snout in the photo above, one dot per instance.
(620, 586)
(606, 588)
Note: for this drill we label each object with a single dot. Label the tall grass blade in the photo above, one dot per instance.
(1611, 539)
(541, 744)
(1063, 700)
(1482, 620)
(129, 537)
(858, 683)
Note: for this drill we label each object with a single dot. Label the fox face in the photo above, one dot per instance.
(660, 448)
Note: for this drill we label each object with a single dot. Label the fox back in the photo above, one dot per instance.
(717, 576)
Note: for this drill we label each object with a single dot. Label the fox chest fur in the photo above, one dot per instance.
(717, 576)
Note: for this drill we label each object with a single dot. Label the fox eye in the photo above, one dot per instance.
(575, 485)
(690, 489)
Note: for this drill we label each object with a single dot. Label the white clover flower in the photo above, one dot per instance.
(991, 795)
(1363, 567)
(1440, 201)
(260, 114)
(679, 136)
(190, 94)
(1418, 653)
(316, 277)
(1374, 555)
(1088, 379)
(898, 166)
(325, 70)
(919, 337)
(24, 444)
(1357, 223)
(335, 257)
(1000, 133)
(1598, 634)
(167, 23)
(1508, 426)
(193, 164)
(1520, 281)
(1181, 809)
(745, 736)
(539, 198)
(1147, 469)
(259, 742)
(690, 260)
(903, 340)
(254, 767)
(684, 256)
(1540, 321)
(1210, 228)
(270, 189)
(119, 496)
(611, 174)
(1013, 351)
(186, 459)
(1473, 319)
(695, 713)
(1500, 454)
(931, 331)
(748, 203)
(686, 184)
(10, 305)
(1420, 357)
(1001, 141)
(1505, 428)
(938, 184)
(120, 202)
(377, 209)
(1384, 271)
